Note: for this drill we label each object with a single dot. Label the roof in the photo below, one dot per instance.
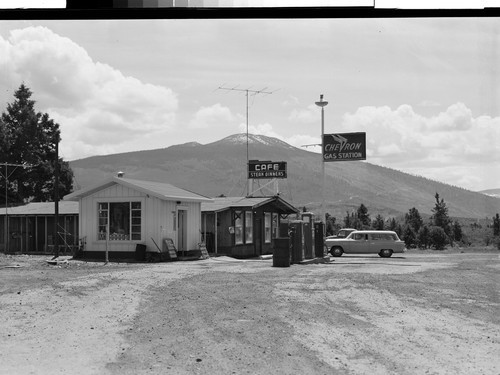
(42, 208)
(223, 203)
(160, 190)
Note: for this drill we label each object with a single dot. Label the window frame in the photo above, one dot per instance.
(135, 217)
(275, 224)
(248, 227)
(239, 227)
(268, 227)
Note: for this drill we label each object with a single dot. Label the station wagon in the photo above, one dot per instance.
(384, 243)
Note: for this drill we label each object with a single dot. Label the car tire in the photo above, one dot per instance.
(385, 253)
(336, 251)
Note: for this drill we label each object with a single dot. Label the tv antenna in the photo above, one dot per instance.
(247, 92)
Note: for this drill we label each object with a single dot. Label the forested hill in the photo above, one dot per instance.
(220, 168)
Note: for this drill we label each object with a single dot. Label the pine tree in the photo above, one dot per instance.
(423, 237)
(363, 216)
(378, 223)
(440, 216)
(438, 237)
(347, 220)
(393, 224)
(28, 137)
(414, 220)
(409, 237)
(496, 225)
(457, 231)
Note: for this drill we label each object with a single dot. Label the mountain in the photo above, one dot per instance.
(491, 192)
(220, 168)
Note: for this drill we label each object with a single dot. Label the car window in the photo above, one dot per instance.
(383, 237)
(359, 236)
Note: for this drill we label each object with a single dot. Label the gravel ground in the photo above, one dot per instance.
(423, 312)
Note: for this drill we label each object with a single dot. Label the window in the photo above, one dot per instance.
(267, 227)
(238, 227)
(135, 213)
(248, 227)
(103, 220)
(275, 225)
(359, 236)
(123, 220)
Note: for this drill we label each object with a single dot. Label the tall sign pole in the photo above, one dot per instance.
(247, 91)
(322, 104)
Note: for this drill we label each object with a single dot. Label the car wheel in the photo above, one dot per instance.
(336, 251)
(385, 253)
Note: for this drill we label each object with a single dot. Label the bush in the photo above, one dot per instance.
(438, 238)
(497, 242)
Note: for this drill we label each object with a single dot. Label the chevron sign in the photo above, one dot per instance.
(344, 147)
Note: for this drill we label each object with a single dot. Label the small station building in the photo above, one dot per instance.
(243, 226)
(118, 214)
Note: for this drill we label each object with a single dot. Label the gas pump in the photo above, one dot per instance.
(308, 228)
(296, 231)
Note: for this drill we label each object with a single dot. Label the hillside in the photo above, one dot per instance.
(492, 192)
(220, 168)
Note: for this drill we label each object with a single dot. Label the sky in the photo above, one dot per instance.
(425, 90)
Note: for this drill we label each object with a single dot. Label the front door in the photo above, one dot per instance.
(182, 230)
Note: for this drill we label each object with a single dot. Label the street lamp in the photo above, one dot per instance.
(322, 104)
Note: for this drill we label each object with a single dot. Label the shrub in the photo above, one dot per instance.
(438, 238)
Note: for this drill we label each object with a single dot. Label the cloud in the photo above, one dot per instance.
(456, 118)
(450, 145)
(306, 116)
(93, 102)
(213, 116)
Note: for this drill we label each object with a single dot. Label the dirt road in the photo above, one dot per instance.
(419, 313)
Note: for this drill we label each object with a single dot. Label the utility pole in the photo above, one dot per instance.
(322, 104)
(56, 198)
(6, 176)
(253, 92)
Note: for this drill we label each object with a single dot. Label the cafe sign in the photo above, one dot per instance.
(344, 147)
(266, 169)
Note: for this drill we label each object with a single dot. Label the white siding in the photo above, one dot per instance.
(157, 219)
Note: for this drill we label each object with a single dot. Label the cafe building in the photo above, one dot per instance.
(243, 227)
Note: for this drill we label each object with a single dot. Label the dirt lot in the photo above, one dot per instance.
(419, 313)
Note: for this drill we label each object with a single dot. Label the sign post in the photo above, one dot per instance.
(270, 170)
(322, 104)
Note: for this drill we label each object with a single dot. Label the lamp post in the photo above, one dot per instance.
(322, 104)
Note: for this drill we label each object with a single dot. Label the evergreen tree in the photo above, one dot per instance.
(393, 224)
(330, 224)
(409, 237)
(457, 231)
(440, 216)
(438, 237)
(496, 225)
(28, 137)
(363, 216)
(423, 237)
(414, 220)
(378, 223)
(348, 220)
